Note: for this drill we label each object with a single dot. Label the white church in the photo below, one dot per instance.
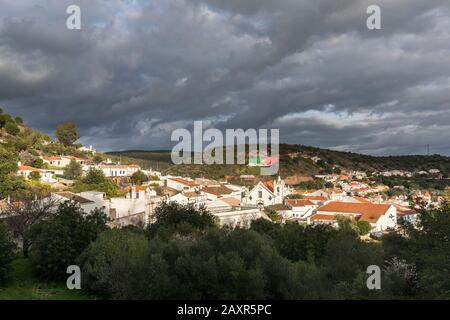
(268, 193)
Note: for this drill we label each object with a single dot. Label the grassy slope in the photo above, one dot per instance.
(25, 287)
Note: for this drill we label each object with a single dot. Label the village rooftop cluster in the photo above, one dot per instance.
(235, 205)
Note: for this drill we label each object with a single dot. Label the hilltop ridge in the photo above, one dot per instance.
(303, 160)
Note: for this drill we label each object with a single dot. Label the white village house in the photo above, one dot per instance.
(61, 161)
(380, 216)
(117, 170)
(300, 208)
(181, 184)
(46, 176)
(196, 199)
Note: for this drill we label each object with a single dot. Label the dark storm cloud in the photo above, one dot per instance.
(138, 70)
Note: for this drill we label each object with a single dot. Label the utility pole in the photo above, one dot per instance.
(428, 149)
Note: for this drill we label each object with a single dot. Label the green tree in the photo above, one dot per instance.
(11, 185)
(22, 215)
(294, 196)
(7, 249)
(9, 182)
(5, 119)
(67, 133)
(425, 246)
(111, 264)
(35, 176)
(73, 170)
(364, 227)
(12, 128)
(96, 180)
(139, 177)
(59, 240)
(219, 264)
(94, 176)
(173, 218)
(8, 161)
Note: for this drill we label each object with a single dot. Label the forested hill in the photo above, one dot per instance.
(302, 160)
(19, 142)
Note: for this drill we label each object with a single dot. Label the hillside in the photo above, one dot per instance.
(18, 142)
(301, 160)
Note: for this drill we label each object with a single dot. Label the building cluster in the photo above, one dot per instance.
(351, 196)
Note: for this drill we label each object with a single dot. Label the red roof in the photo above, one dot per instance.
(323, 217)
(185, 182)
(27, 168)
(299, 203)
(137, 188)
(369, 211)
(218, 191)
(269, 185)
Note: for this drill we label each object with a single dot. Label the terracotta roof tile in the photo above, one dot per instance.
(185, 182)
(300, 202)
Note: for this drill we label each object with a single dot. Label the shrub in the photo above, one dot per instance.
(173, 218)
(139, 177)
(59, 240)
(364, 227)
(73, 170)
(35, 176)
(110, 264)
(7, 248)
(12, 128)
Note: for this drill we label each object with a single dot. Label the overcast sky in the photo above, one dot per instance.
(137, 70)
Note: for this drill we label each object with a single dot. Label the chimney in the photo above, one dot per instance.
(19, 163)
(9, 199)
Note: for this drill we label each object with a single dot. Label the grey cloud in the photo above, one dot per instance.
(137, 70)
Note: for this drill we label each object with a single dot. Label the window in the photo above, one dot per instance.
(278, 189)
(260, 194)
(137, 194)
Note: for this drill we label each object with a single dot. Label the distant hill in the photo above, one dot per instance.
(158, 160)
(299, 160)
(20, 142)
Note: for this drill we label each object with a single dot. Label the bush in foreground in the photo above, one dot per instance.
(7, 248)
(59, 240)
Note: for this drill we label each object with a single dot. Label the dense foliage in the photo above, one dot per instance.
(7, 248)
(73, 170)
(139, 177)
(269, 261)
(59, 240)
(173, 218)
(96, 180)
(185, 255)
(426, 250)
(414, 183)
